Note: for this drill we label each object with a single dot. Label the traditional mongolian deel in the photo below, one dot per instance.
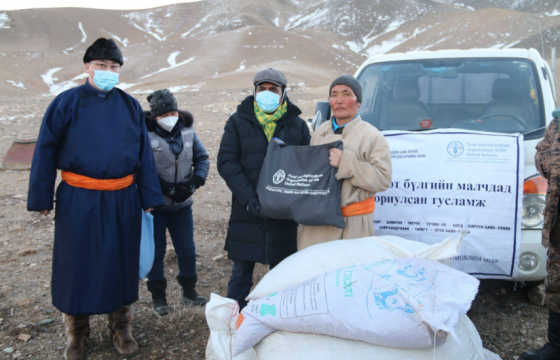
(365, 169)
(97, 233)
(298, 183)
(448, 181)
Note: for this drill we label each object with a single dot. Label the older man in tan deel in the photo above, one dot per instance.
(364, 165)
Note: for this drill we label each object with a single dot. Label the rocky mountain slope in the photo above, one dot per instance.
(213, 43)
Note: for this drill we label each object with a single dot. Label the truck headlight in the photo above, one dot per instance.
(534, 191)
(528, 262)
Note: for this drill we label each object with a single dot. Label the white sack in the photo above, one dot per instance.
(222, 315)
(381, 303)
(321, 258)
(283, 345)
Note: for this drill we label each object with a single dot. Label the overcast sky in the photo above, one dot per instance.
(97, 4)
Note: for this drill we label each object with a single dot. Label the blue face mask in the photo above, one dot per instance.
(268, 101)
(105, 80)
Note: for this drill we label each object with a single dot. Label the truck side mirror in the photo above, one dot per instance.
(322, 114)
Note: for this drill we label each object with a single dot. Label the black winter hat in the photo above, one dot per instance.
(161, 102)
(104, 49)
(351, 82)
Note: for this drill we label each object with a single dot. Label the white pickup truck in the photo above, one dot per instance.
(499, 91)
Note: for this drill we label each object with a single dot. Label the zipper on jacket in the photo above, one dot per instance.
(175, 183)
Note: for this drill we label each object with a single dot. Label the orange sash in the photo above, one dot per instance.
(85, 182)
(360, 208)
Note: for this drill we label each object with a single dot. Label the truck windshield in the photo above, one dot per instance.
(496, 95)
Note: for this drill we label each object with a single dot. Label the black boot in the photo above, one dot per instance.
(550, 351)
(190, 296)
(157, 288)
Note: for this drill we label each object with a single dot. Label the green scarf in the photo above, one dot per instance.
(268, 121)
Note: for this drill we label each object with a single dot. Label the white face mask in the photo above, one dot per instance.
(168, 123)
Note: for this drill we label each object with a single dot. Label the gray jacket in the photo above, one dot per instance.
(191, 161)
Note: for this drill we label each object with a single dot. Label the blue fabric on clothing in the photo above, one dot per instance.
(241, 281)
(97, 233)
(100, 93)
(335, 125)
(181, 228)
(201, 163)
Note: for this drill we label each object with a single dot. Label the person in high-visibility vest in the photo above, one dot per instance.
(95, 133)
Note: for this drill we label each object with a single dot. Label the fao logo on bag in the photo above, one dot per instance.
(455, 148)
(279, 177)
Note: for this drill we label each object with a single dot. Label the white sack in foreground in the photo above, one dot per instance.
(321, 258)
(401, 303)
(222, 315)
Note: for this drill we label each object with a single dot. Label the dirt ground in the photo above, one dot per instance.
(508, 323)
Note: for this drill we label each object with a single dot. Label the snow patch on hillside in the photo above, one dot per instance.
(392, 43)
(54, 89)
(553, 13)
(198, 25)
(309, 20)
(242, 65)
(83, 32)
(125, 42)
(148, 22)
(17, 84)
(172, 60)
(178, 88)
(394, 25)
(124, 86)
(464, 6)
(49, 78)
(148, 91)
(4, 20)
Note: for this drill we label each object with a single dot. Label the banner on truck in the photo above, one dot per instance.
(447, 181)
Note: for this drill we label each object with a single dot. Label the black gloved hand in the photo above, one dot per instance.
(254, 208)
(197, 181)
(167, 188)
(185, 192)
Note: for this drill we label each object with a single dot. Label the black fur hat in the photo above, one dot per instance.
(161, 102)
(104, 49)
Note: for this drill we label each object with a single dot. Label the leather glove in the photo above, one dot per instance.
(254, 208)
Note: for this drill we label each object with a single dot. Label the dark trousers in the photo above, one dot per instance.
(180, 225)
(241, 281)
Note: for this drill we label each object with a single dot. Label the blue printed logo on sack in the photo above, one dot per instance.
(279, 177)
(455, 148)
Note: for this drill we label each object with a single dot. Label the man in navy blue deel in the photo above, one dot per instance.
(96, 135)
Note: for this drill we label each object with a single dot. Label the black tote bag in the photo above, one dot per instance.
(298, 183)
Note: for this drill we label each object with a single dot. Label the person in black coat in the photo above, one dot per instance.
(252, 237)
